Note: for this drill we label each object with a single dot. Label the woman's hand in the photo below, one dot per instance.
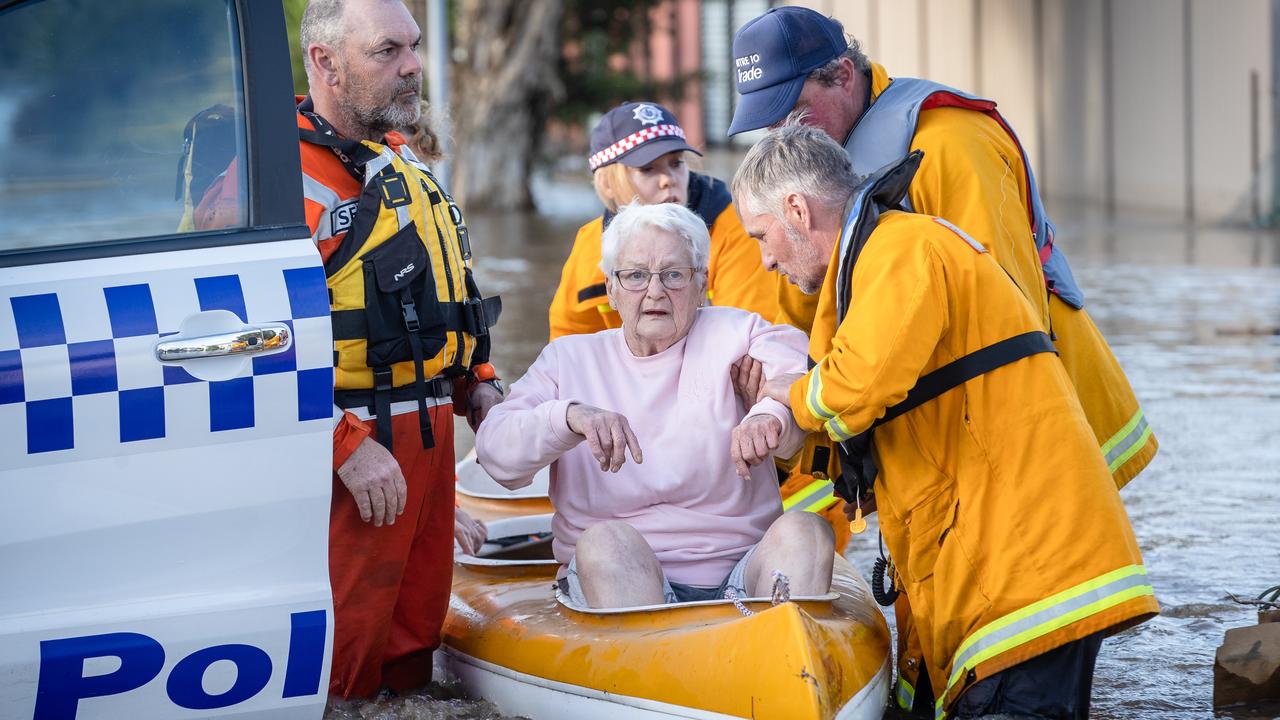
(608, 434)
(753, 442)
(469, 532)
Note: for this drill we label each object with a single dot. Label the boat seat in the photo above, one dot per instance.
(520, 540)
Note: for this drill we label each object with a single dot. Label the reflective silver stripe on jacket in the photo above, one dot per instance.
(906, 695)
(814, 497)
(321, 194)
(1127, 441)
(1050, 614)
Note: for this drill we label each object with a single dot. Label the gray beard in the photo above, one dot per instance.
(378, 121)
(799, 240)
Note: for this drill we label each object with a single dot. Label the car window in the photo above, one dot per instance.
(117, 118)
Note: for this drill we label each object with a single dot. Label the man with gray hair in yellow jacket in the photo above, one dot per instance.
(936, 378)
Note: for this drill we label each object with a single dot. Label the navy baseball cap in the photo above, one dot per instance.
(772, 55)
(635, 134)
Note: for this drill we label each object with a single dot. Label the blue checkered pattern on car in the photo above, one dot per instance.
(143, 413)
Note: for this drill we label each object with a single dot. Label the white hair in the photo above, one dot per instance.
(794, 158)
(633, 219)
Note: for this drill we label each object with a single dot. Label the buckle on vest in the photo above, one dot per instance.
(410, 312)
(382, 380)
(473, 316)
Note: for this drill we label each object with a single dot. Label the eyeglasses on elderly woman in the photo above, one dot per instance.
(674, 278)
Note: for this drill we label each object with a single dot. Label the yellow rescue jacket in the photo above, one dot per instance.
(407, 315)
(1002, 518)
(973, 175)
(736, 276)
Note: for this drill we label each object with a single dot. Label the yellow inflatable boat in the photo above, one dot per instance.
(510, 639)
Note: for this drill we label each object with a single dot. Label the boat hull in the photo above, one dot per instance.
(517, 693)
(509, 640)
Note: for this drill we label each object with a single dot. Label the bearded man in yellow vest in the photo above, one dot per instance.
(1003, 519)
(411, 341)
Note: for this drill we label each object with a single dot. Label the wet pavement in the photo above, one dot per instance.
(1193, 316)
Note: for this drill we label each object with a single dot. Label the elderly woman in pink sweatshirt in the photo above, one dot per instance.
(696, 510)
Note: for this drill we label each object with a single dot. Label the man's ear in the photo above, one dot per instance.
(844, 76)
(325, 64)
(795, 211)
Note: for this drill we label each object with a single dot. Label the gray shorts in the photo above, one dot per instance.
(672, 592)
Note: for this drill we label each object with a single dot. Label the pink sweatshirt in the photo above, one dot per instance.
(686, 499)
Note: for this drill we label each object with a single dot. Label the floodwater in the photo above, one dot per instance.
(1193, 316)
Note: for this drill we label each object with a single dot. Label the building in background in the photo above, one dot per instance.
(1154, 106)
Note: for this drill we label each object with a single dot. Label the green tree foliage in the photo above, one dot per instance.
(595, 32)
(293, 21)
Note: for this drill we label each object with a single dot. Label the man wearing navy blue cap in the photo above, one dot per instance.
(974, 173)
(773, 56)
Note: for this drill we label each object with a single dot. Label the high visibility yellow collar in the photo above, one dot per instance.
(879, 80)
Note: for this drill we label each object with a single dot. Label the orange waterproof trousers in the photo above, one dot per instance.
(391, 583)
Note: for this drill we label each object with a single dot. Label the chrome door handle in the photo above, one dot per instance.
(248, 341)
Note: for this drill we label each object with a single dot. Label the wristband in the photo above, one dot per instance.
(484, 372)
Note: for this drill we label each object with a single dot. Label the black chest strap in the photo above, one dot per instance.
(962, 370)
(858, 469)
(352, 153)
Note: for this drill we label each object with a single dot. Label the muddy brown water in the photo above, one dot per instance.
(1194, 317)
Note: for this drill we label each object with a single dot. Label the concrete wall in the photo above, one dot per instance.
(1227, 47)
(1140, 104)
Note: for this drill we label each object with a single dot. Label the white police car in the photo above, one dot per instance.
(165, 393)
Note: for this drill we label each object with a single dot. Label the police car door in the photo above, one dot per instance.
(165, 391)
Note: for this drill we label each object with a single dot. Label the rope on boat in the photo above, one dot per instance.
(732, 595)
(781, 594)
(781, 588)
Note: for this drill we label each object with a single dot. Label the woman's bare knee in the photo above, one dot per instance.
(616, 567)
(608, 544)
(801, 545)
(800, 529)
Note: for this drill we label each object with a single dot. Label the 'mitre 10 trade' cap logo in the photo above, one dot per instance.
(748, 68)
